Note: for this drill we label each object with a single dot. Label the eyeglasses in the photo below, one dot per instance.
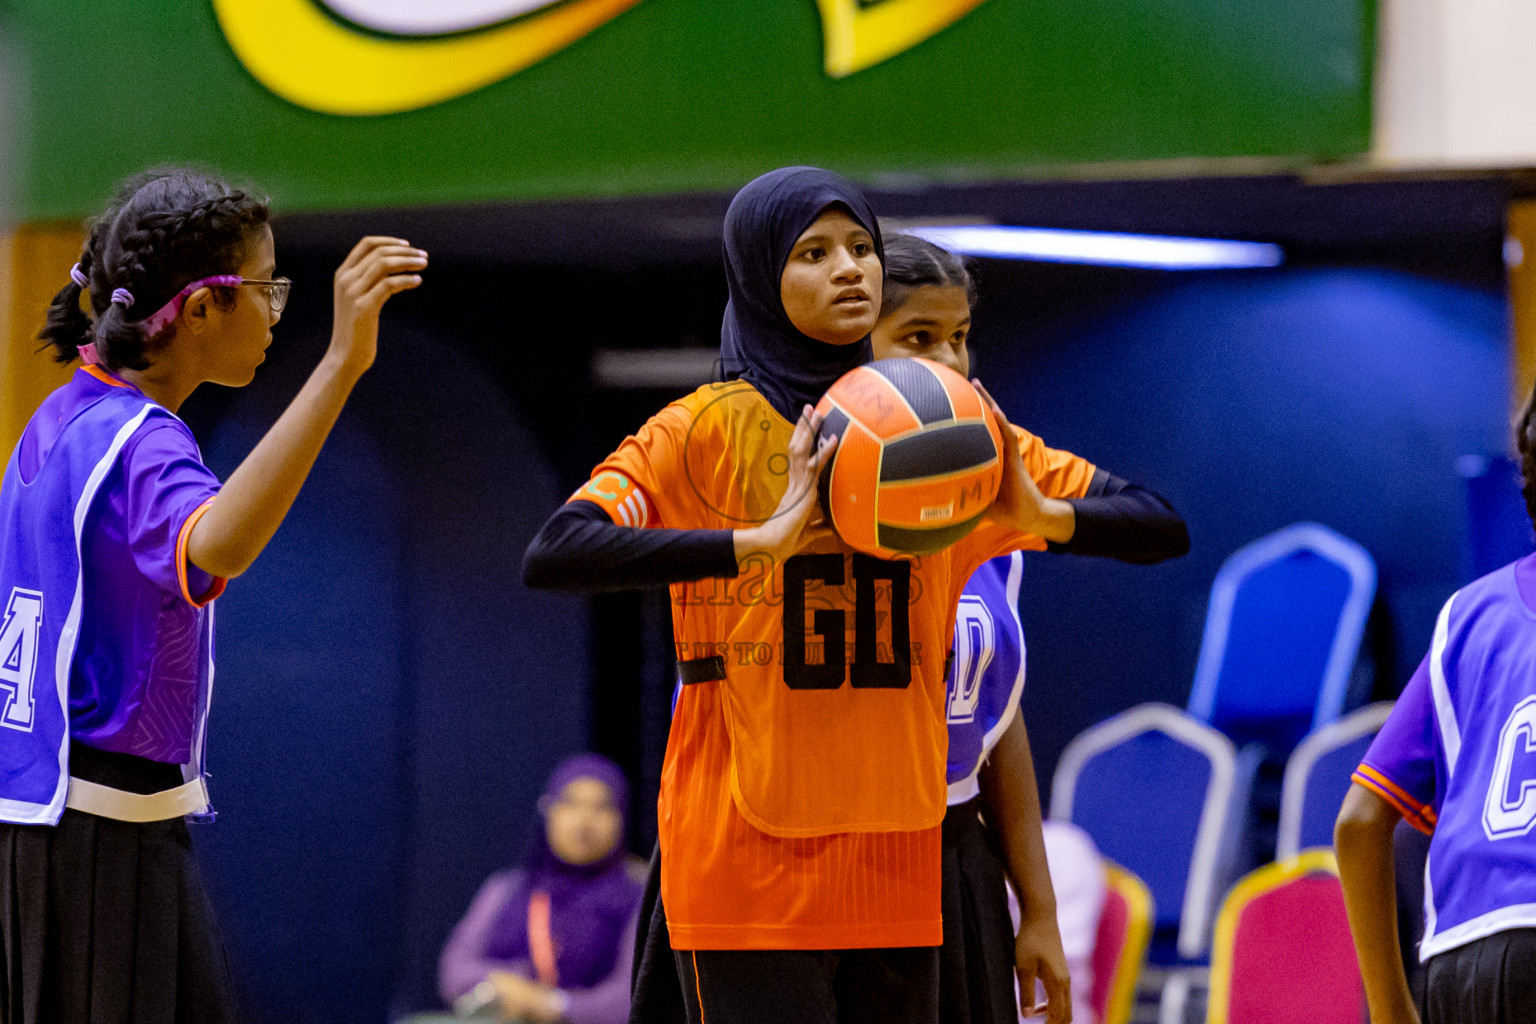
(277, 291)
(277, 297)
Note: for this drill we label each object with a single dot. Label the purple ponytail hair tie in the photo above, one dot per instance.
(122, 297)
(78, 276)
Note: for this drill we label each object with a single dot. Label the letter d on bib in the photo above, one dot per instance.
(975, 640)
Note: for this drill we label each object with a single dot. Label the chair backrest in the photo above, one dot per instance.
(1120, 947)
(1283, 952)
(1281, 634)
(1317, 778)
(1158, 792)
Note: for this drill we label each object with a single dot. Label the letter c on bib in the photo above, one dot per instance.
(1503, 817)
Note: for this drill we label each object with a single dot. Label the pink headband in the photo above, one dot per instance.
(157, 321)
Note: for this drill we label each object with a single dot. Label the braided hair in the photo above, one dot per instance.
(165, 229)
(912, 262)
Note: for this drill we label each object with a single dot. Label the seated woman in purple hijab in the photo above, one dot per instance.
(553, 940)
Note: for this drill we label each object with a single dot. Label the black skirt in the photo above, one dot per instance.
(976, 962)
(1490, 981)
(104, 920)
(655, 990)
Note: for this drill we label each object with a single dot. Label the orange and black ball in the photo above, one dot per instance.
(918, 460)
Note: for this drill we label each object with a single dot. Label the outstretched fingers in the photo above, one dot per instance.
(802, 440)
(384, 270)
(367, 245)
(808, 448)
(384, 262)
(392, 285)
(807, 454)
(824, 450)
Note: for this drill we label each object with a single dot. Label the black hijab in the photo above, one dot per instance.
(758, 344)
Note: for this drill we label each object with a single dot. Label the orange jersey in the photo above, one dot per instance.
(802, 795)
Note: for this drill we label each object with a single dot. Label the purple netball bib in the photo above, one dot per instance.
(987, 676)
(1458, 757)
(43, 518)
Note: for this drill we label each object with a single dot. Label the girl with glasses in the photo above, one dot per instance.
(114, 541)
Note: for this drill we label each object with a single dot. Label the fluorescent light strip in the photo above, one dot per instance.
(658, 368)
(1102, 248)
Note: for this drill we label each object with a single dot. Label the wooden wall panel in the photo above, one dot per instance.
(34, 264)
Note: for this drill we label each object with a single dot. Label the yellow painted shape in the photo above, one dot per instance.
(1318, 860)
(308, 58)
(34, 264)
(858, 38)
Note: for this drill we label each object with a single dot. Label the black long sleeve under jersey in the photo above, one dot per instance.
(580, 548)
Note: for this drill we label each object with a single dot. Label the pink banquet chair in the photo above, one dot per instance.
(1120, 946)
(1282, 952)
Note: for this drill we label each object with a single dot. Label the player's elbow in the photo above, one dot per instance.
(224, 570)
(223, 560)
(1167, 533)
(541, 564)
(568, 551)
(1176, 540)
(1364, 819)
(554, 552)
(1167, 539)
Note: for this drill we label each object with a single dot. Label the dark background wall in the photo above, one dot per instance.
(390, 698)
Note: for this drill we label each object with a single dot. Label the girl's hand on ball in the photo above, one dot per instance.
(1019, 503)
(793, 525)
(376, 268)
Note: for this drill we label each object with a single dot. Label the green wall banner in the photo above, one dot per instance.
(334, 104)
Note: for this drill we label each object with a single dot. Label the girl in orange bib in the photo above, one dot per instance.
(800, 828)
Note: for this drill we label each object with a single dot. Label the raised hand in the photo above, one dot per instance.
(791, 527)
(1019, 503)
(376, 268)
(259, 493)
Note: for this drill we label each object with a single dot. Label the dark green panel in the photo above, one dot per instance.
(679, 95)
